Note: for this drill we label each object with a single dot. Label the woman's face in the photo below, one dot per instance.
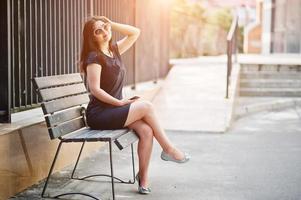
(102, 31)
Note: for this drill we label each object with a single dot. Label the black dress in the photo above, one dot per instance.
(101, 115)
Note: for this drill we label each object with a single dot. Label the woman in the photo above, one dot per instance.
(105, 72)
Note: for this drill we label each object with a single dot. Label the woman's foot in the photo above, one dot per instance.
(142, 189)
(175, 155)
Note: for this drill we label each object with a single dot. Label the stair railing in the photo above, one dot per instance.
(231, 49)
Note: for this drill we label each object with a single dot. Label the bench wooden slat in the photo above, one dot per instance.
(79, 134)
(50, 81)
(98, 134)
(61, 117)
(64, 103)
(106, 135)
(117, 133)
(102, 135)
(83, 136)
(88, 134)
(62, 91)
(66, 128)
(126, 139)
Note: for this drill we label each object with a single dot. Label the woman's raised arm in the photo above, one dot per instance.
(131, 34)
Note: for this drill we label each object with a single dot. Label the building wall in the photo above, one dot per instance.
(253, 39)
(281, 26)
(266, 26)
(286, 30)
(253, 32)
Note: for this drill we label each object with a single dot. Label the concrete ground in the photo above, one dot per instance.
(258, 159)
(195, 90)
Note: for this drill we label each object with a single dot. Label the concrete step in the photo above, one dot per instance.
(270, 75)
(251, 105)
(271, 67)
(270, 83)
(270, 92)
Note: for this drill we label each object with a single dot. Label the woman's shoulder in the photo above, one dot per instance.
(92, 54)
(92, 57)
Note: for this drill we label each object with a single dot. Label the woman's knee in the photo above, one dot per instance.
(146, 106)
(138, 110)
(146, 132)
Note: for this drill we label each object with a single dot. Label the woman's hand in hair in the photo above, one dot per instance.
(103, 18)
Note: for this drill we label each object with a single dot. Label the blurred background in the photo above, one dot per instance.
(199, 27)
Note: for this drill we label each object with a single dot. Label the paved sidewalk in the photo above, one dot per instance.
(259, 159)
(193, 97)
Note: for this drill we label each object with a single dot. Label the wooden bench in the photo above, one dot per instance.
(64, 99)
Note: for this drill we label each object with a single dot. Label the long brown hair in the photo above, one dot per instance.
(89, 44)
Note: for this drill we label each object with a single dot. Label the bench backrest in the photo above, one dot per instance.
(63, 99)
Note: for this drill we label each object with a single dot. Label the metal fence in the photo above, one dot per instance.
(46, 39)
(43, 37)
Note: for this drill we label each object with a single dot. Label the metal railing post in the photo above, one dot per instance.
(236, 41)
(231, 46)
(5, 62)
(229, 65)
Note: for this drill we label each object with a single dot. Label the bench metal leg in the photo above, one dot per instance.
(80, 153)
(112, 171)
(105, 175)
(49, 174)
(51, 168)
(133, 164)
(111, 168)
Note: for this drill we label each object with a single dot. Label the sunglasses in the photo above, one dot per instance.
(105, 27)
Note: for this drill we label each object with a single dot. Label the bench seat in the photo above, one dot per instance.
(121, 137)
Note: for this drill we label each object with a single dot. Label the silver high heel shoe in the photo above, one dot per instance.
(141, 189)
(167, 157)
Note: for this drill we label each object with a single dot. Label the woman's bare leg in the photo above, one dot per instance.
(145, 145)
(144, 110)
